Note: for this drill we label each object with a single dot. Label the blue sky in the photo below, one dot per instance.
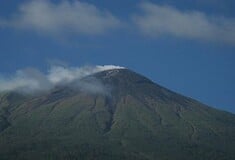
(186, 46)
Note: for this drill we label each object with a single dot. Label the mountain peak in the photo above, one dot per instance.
(137, 120)
(121, 74)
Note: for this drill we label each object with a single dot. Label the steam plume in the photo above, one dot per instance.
(31, 80)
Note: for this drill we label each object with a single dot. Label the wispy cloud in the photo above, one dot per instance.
(33, 81)
(60, 75)
(156, 20)
(64, 17)
(82, 18)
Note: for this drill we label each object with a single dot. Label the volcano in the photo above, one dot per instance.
(133, 118)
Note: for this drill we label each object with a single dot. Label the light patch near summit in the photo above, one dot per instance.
(111, 73)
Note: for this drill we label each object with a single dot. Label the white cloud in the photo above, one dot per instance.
(32, 80)
(27, 81)
(157, 20)
(108, 67)
(64, 17)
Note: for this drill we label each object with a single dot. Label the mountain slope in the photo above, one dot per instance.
(133, 119)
